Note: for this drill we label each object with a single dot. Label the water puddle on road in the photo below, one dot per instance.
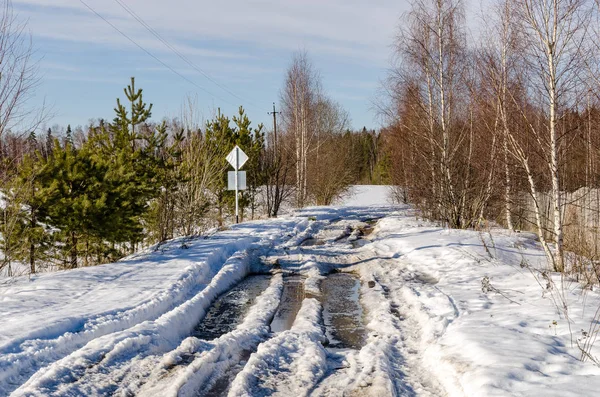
(342, 311)
(311, 242)
(362, 233)
(367, 227)
(230, 308)
(291, 301)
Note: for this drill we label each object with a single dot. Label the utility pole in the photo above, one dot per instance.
(274, 113)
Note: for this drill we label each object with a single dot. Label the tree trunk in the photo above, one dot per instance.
(32, 243)
(73, 251)
(556, 193)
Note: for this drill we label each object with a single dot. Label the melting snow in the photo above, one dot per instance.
(445, 313)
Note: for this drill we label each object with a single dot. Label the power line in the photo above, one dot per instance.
(152, 55)
(179, 54)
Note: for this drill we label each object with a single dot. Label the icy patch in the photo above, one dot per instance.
(342, 311)
(291, 301)
(229, 309)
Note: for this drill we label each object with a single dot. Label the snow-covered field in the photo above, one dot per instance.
(423, 311)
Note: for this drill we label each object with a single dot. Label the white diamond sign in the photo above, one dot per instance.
(237, 158)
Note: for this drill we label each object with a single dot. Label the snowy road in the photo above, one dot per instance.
(339, 301)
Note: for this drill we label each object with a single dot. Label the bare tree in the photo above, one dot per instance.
(499, 66)
(18, 79)
(553, 32)
(278, 167)
(430, 85)
(18, 74)
(202, 169)
(331, 172)
(299, 99)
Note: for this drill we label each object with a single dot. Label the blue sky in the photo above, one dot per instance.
(244, 45)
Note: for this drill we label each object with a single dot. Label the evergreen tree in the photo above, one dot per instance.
(221, 138)
(99, 193)
(49, 143)
(71, 185)
(126, 121)
(32, 140)
(27, 203)
(134, 162)
(69, 136)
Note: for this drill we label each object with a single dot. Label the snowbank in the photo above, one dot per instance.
(488, 323)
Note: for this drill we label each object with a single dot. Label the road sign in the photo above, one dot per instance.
(237, 158)
(241, 183)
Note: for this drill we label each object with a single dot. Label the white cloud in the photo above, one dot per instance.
(361, 30)
(49, 65)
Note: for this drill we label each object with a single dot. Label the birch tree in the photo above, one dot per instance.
(431, 47)
(299, 99)
(553, 34)
(499, 67)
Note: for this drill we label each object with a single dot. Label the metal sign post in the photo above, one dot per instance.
(237, 158)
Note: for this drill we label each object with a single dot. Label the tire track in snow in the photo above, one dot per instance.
(26, 356)
(375, 368)
(389, 363)
(216, 360)
(416, 378)
(290, 363)
(219, 361)
(96, 367)
(64, 376)
(294, 361)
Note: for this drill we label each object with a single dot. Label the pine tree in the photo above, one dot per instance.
(132, 178)
(99, 193)
(70, 185)
(27, 205)
(126, 122)
(69, 136)
(32, 141)
(49, 143)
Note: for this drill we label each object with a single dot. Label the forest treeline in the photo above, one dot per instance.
(94, 194)
(503, 126)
